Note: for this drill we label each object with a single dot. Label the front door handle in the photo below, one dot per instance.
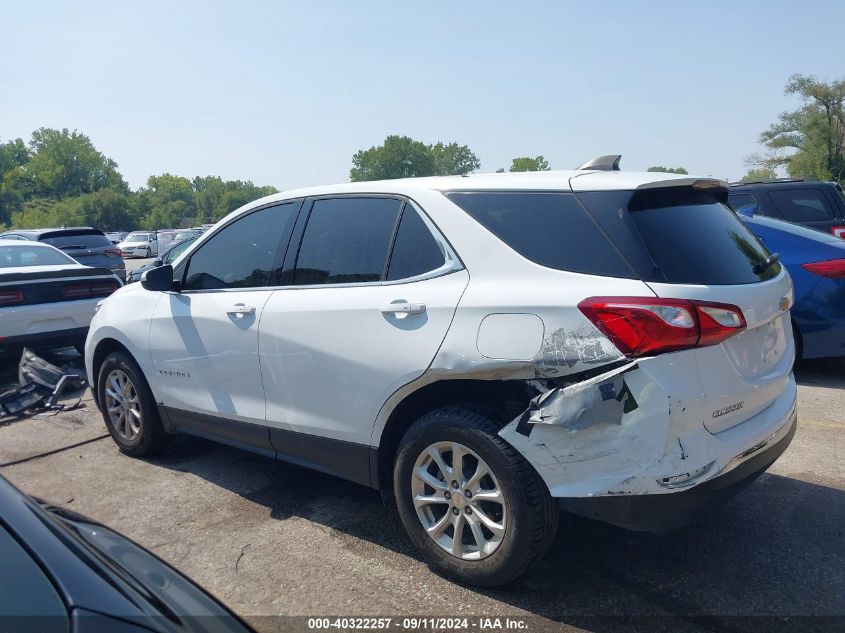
(241, 310)
(403, 307)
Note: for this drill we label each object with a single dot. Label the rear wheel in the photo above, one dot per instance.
(474, 507)
(128, 407)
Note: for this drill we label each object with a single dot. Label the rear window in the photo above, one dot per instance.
(551, 229)
(15, 256)
(681, 237)
(76, 240)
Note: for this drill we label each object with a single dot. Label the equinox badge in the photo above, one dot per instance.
(734, 407)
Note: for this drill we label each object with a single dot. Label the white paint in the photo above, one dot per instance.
(510, 336)
(327, 361)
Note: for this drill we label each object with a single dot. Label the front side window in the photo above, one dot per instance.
(346, 240)
(241, 255)
(803, 205)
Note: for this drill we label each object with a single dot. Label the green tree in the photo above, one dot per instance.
(65, 164)
(169, 198)
(13, 156)
(397, 157)
(453, 159)
(526, 163)
(404, 157)
(668, 170)
(760, 174)
(106, 209)
(810, 141)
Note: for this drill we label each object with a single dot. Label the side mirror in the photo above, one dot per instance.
(157, 262)
(158, 279)
(748, 210)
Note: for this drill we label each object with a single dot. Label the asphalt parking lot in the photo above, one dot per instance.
(270, 538)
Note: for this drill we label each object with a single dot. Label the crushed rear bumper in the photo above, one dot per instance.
(661, 513)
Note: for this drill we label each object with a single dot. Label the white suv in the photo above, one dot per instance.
(484, 349)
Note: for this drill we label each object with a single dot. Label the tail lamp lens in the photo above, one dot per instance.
(644, 326)
(99, 289)
(834, 268)
(10, 297)
(838, 231)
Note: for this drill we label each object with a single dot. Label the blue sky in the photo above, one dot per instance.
(284, 93)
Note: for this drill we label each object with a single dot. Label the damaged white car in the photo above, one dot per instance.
(483, 349)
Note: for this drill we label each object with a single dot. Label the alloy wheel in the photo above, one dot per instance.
(459, 501)
(123, 405)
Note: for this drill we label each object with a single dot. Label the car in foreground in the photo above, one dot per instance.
(64, 572)
(816, 264)
(482, 349)
(47, 299)
(140, 244)
(86, 245)
(172, 253)
(810, 203)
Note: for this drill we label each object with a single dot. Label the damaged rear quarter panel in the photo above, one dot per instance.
(617, 433)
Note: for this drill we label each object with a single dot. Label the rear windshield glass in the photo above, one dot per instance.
(71, 241)
(31, 255)
(688, 242)
(551, 229)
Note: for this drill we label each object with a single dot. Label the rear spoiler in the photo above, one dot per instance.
(36, 275)
(679, 191)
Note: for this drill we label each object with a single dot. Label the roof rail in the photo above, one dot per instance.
(608, 162)
(739, 183)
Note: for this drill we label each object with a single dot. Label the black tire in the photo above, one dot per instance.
(149, 252)
(532, 514)
(151, 437)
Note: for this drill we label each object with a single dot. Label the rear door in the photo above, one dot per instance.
(356, 322)
(687, 244)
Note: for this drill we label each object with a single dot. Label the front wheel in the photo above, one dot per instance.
(474, 507)
(128, 406)
(149, 252)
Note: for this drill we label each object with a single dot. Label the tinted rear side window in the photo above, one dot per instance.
(415, 250)
(346, 241)
(803, 205)
(550, 229)
(72, 241)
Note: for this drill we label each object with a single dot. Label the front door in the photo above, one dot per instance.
(204, 339)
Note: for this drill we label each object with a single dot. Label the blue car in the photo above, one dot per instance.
(816, 263)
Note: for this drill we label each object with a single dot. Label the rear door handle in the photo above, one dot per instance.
(403, 307)
(241, 309)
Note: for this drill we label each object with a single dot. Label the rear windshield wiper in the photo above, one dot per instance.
(763, 266)
(71, 247)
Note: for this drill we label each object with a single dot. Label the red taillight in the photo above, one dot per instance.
(642, 326)
(9, 297)
(114, 252)
(838, 231)
(834, 268)
(80, 291)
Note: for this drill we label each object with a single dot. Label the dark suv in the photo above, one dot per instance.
(817, 205)
(88, 246)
